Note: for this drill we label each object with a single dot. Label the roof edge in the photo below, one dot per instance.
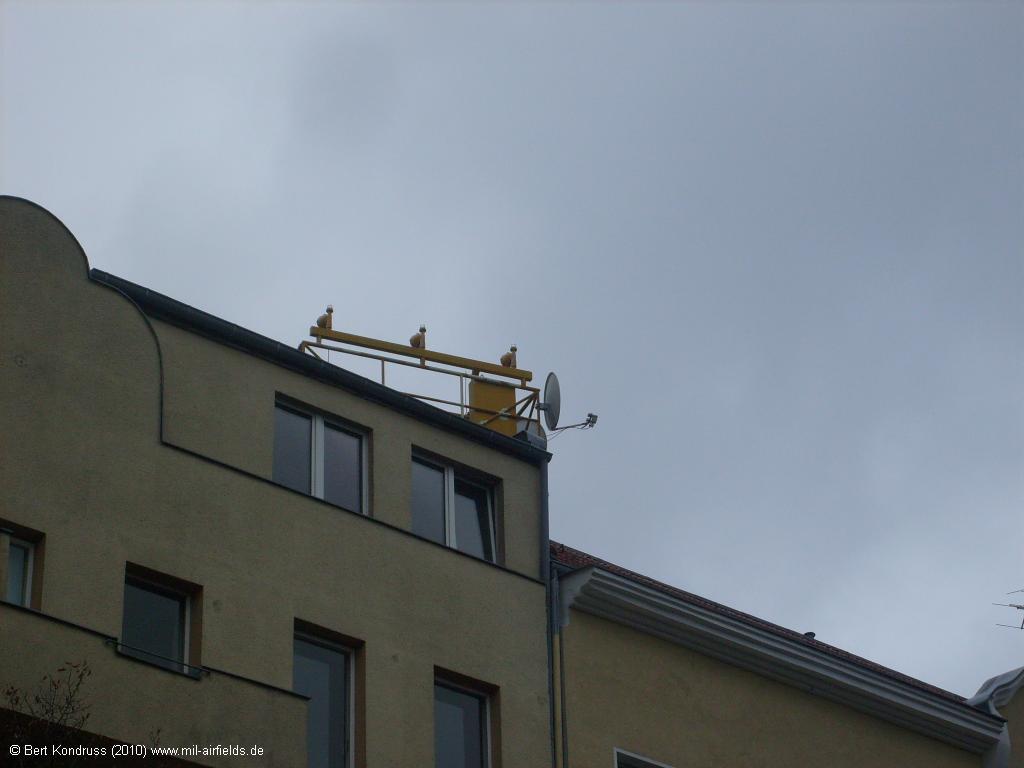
(618, 598)
(161, 307)
(572, 559)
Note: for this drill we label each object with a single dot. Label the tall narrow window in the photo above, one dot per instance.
(451, 509)
(321, 671)
(460, 727)
(317, 455)
(428, 501)
(471, 519)
(293, 449)
(160, 621)
(343, 467)
(19, 572)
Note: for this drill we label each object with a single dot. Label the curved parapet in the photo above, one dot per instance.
(80, 395)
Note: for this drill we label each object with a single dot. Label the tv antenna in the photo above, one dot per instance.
(1016, 606)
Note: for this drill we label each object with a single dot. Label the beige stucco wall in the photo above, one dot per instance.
(632, 691)
(1014, 714)
(167, 710)
(219, 402)
(83, 462)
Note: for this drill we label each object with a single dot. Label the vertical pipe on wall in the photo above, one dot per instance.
(561, 692)
(5, 548)
(545, 573)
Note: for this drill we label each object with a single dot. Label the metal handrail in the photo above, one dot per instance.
(530, 400)
(139, 653)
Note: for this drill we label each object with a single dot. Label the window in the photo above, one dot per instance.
(460, 727)
(321, 671)
(20, 557)
(160, 622)
(22, 549)
(452, 509)
(629, 760)
(317, 455)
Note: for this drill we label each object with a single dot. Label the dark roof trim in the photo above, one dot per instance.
(161, 307)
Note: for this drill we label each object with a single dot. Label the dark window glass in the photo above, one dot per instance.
(17, 574)
(154, 624)
(473, 519)
(428, 501)
(627, 761)
(458, 729)
(321, 673)
(343, 475)
(292, 447)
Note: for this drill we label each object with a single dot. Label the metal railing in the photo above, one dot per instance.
(164, 662)
(525, 408)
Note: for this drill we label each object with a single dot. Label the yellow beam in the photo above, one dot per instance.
(421, 354)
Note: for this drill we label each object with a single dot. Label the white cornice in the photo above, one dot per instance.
(622, 600)
(996, 693)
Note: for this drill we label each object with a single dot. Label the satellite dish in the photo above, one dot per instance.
(552, 404)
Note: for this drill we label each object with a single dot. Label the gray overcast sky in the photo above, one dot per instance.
(776, 246)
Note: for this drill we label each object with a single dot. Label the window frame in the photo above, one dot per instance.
(452, 473)
(486, 711)
(307, 634)
(21, 536)
(319, 422)
(30, 565)
(168, 586)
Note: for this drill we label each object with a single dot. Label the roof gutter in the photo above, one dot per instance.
(549, 594)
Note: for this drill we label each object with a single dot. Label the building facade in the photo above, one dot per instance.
(252, 548)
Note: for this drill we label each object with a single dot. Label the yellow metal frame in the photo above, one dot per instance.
(476, 366)
(524, 407)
